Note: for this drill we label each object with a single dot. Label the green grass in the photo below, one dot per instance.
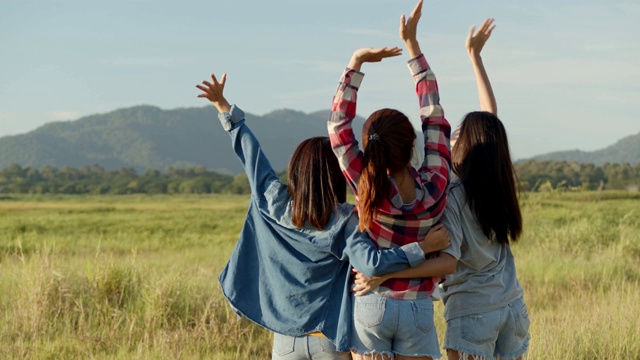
(135, 277)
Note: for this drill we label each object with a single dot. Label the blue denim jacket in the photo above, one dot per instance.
(291, 280)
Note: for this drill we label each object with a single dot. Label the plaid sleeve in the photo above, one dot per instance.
(434, 171)
(343, 140)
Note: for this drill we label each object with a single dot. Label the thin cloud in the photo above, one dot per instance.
(61, 115)
(619, 98)
(611, 46)
(7, 117)
(368, 32)
(568, 72)
(144, 61)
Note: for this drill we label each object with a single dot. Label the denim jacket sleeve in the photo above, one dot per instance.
(265, 185)
(357, 248)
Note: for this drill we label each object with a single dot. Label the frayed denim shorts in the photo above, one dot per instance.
(391, 326)
(502, 333)
(305, 348)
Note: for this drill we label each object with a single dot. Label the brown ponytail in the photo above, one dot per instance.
(387, 137)
(373, 186)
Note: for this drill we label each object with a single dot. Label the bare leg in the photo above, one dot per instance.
(452, 355)
(356, 356)
(402, 357)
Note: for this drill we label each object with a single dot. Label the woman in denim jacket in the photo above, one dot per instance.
(289, 271)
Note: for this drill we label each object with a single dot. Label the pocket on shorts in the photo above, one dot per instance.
(423, 315)
(283, 345)
(480, 328)
(521, 316)
(329, 352)
(369, 310)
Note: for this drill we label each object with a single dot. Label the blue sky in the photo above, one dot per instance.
(566, 73)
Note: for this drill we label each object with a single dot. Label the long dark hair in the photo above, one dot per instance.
(315, 182)
(482, 161)
(388, 138)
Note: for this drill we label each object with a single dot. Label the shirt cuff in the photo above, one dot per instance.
(352, 78)
(418, 64)
(414, 253)
(229, 119)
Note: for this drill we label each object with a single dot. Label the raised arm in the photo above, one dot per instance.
(436, 129)
(475, 43)
(245, 145)
(343, 111)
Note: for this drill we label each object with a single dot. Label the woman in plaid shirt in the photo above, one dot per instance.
(483, 299)
(397, 204)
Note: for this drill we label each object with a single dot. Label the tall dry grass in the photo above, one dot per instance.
(135, 277)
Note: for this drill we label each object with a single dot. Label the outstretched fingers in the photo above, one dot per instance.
(487, 26)
(472, 31)
(417, 12)
(477, 39)
(206, 88)
(409, 29)
(215, 81)
(212, 90)
(368, 55)
(391, 52)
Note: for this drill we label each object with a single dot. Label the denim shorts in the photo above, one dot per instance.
(502, 333)
(305, 348)
(386, 325)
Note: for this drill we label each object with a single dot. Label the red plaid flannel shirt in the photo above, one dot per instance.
(396, 224)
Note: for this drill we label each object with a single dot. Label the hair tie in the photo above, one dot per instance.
(374, 136)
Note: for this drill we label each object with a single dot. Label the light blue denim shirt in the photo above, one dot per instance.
(291, 280)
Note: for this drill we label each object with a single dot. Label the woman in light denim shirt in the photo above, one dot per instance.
(289, 271)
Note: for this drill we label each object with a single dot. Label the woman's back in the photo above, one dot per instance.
(485, 278)
(391, 221)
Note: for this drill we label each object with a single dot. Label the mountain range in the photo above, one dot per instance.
(626, 150)
(147, 137)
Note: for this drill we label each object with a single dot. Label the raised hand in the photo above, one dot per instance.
(213, 91)
(409, 30)
(477, 39)
(475, 43)
(437, 239)
(365, 55)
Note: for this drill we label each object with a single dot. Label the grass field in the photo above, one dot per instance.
(134, 277)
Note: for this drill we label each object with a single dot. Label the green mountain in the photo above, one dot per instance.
(626, 150)
(147, 137)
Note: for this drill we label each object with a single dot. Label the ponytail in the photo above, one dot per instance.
(373, 185)
(387, 137)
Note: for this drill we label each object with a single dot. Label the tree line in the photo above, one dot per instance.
(533, 176)
(97, 180)
(572, 175)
